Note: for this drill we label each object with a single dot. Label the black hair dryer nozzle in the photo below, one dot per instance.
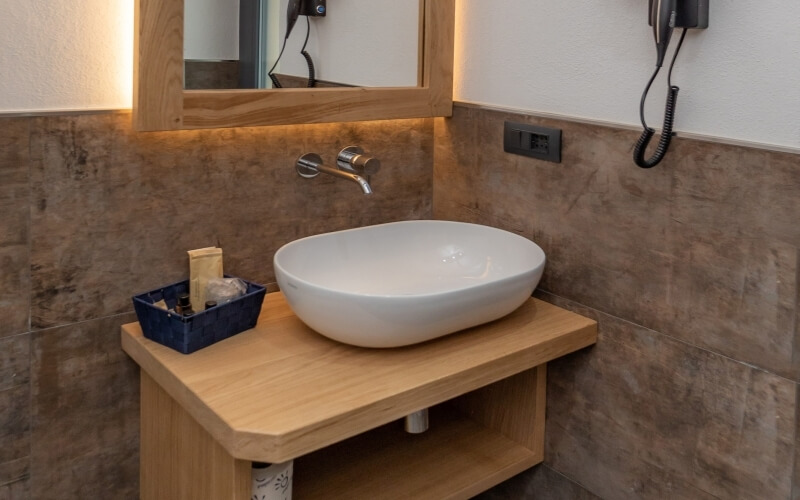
(662, 18)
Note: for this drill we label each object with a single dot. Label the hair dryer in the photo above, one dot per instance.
(662, 18)
(295, 9)
(292, 13)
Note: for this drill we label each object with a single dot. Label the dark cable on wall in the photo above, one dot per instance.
(312, 80)
(669, 118)
(275, 82)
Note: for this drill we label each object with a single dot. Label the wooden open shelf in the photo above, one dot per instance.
(280, 392)
(455, 458)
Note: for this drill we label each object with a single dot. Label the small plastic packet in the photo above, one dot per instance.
(224, 290)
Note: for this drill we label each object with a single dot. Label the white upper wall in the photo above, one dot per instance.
(211, 30)
(580, 58)
(739, 79)
(65, 54)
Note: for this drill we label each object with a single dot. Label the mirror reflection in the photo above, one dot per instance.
(232, 44)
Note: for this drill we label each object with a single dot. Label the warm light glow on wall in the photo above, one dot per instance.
(458, 56)
(125, 60)
(66, 55)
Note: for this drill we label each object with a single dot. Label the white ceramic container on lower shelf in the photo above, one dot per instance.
(403, 283)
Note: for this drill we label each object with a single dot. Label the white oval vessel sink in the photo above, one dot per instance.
(402, 283)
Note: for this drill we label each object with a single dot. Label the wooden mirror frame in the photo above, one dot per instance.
(161, 103)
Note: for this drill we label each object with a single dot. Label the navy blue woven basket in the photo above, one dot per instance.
(188, 334)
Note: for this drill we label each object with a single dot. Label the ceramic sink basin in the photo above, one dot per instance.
(402, 283)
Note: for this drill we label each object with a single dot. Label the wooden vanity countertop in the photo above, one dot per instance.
(281, 390)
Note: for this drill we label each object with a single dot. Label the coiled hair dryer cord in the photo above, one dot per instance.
(669, 119)
(312, 80)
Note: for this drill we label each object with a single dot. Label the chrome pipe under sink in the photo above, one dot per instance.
(417, 422)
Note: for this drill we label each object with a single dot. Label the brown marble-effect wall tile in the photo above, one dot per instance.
(601, 222)
(749, 192)
(734, 295)
(14, 480)
(681, 248)
(15, 390)
(15, 491)
(114, 211)
(702, 249)
(734, 287)
(15, 412)
(796, 471)
(85, 417)
(210, 75)
(14, 226)
(641, 415)
(14, 140)
(19, 490)
(468, 174)
(14, 361)
(538, 483)
(15, 409)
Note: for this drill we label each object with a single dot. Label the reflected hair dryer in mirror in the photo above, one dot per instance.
(292, 13)
(295, 9)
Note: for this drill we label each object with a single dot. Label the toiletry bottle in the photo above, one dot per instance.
(184, 305)
(272, 481)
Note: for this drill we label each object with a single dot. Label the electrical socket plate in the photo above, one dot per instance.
(542, 143)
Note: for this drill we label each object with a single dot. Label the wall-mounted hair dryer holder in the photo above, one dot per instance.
(692, 14)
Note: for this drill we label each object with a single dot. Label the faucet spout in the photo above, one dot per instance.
(310, 165)
(365, 187)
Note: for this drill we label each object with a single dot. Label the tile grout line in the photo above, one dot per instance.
(87, 320)
(30, 304)
(793, 479)
(676, 339)
(681, 341)
(571, 480)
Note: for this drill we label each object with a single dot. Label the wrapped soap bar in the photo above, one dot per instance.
(204, 264)
(223, 290)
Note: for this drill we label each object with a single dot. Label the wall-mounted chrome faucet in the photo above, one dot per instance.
(352, 159)
(352, 165)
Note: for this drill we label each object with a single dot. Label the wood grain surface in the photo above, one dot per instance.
(455, 459)
(161, 103)
(179, 459)
(158, 65)
(281, 390)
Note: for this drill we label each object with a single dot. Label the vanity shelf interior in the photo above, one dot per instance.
(457, 457)
(280, 391)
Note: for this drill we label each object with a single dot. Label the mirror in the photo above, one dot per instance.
(162, 103)
(352, 43)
